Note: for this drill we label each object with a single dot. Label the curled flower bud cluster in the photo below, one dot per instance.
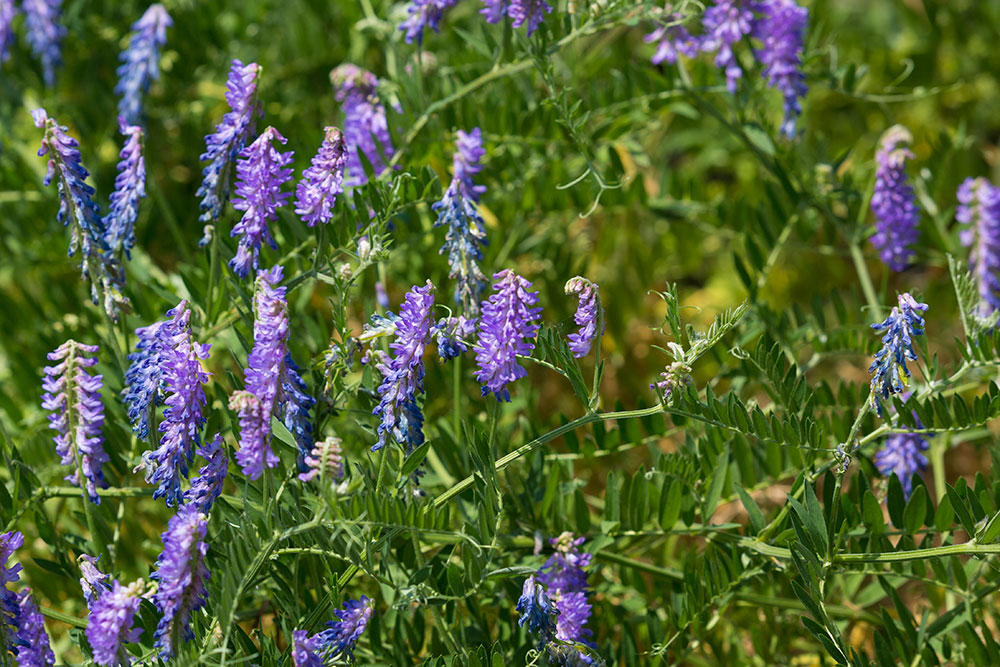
(888, 369)
(325, 461)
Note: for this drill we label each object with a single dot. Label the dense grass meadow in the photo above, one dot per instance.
(495, 333)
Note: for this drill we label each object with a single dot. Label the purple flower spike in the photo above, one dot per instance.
(672, 39)
(589, 315)
(903, 454)
(7, 13)
(326, 461)
(317, 192)
(182, 377)
(450, 334)
(306, 650)
(93, 582)
(73, 396)
(888, 369)
(528, 12)
(34, 649)
(506, 330)
(130, 187)
(564, 571)
(574, 612)
(207, 486)
(9, 608)
(897, 217)
(342, 635)
(230, 136)
(144, 383)
(781, 29)
(111, 624)
(44, 34)
(726, 23)
(182, 575)
(366, 129)
(495, 10)
(403, 373)
(979, 207)
(424, 14)
(141, 61)
(260, 173)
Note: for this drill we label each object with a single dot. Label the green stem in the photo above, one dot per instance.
(865, 278)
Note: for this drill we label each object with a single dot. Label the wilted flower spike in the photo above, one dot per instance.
(229, 138)
(182, 574)
(403, 373)
(366, 129)
(33, 647)
(73, 396)
(897, 217)
(537, 610)
(111, 624)
(7, 12)
(306, 650)
(781, 30)
(141, 61)
(41, 17)
(589, 315)
(9, 608)
(506, 330)
(726, 23)
(979, 207)
(888, 369)
(342, 635)
(424, 14)
(261, 172)
(130, 187)
(317, 192)
(207, 486)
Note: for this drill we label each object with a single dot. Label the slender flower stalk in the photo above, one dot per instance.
(403, 373)
(141, 61)
(341, 636)
(979, 208)
(7, 12)
(207, 486)
(589, 315)
(111, 624)
(33, 646)
(73, 396)
(182, 574)
(230, 136)
(44, 34)
(897, 217)
(366, 129)
(506, 329)
(781, 30)
(890, 374)
(260, 173)
(130, 187)
(9, 607)
(317, 192)
(424, 14)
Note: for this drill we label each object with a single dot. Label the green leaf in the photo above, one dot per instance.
(670, 511)
(960, 508)
(715, 485)
(414, 460)
(916, 510)
(895, 501)
(757, 522)
(872, 513)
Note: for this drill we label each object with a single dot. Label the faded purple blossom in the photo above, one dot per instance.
(9, 608)
(130, 187)
(7, 13)
(207, 486)
(182, 575)
(725, 24)
(506, 329)
(141, 61)
(317, 192)
(111, 624)
(672, 39)
(41, 17)
(93, 582)
(366, 129)
(326, 461)
(888, 369)
(230, 136)
(306, 650)
(183, 418)
(260, 173)
(589, 315)
(979, 208)
(424, 14)
(403, 373)
(73, 397)
(342, 635)
(781, 29)
(33, 646)
(897, 217)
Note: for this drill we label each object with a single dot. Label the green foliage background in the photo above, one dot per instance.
(697, 190)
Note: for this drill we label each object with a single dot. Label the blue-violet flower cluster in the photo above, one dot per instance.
(979, 208)
(781, 31)
(33, 645)
(902, 454)
(306, 650)
(528, 13)
(182, 574)
(130, 187)
(424, 14)
(506, 329)
(897, 217)
(589, 315)
(207, 486)
(888, 369)
(41, 17)
(317, 192)
(141, 61)
(111, 623)
(341, 636)
(9, 607)
(7, 12)
(366, 129)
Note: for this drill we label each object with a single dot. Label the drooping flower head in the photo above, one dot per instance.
(111, 623)
(897, 217)
(79, 212)
(33, 646)
(366, 129)
(7, 12)
(260, 173)
(726, 23)
(207, 486)
(888, 369)
(781, 29)
(672, 39)
(537, 610)
(506, 329)
(141, 61)
(306, 650)
(589, 315)
(182, 376)
(182, 575)
(73, 396)
(93, 582)
(317, 192)
(130, 187)
(326, 461)
(564, 571)
(229, 138)
(424, 14)
(341, 636)
(403, 372)
(41, 17)
(273, 385)
(9, 607)
(979, 207)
